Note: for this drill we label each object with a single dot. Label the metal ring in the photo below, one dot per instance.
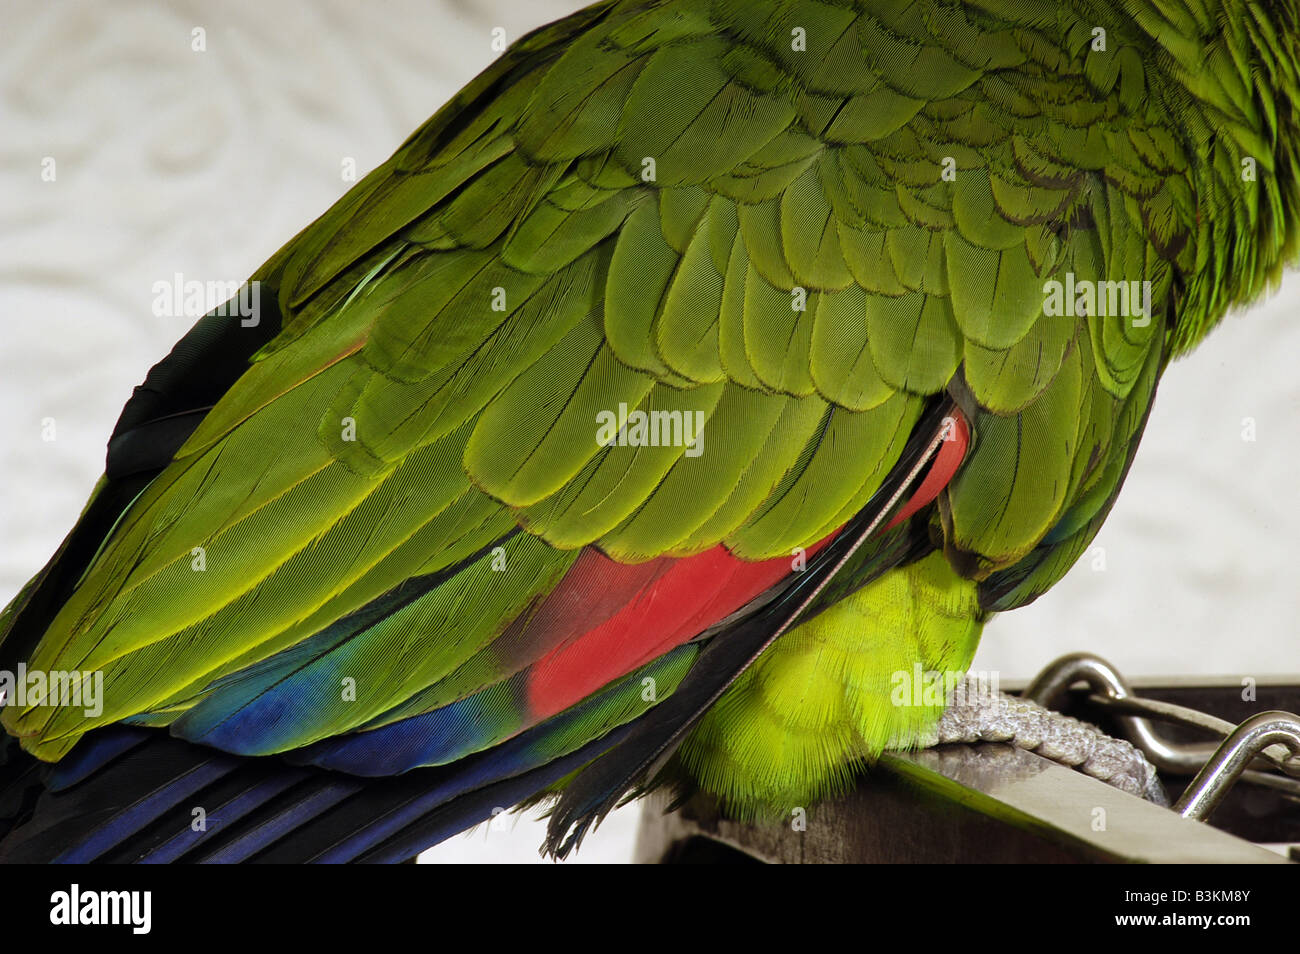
(1111, 691)
(1207, 790)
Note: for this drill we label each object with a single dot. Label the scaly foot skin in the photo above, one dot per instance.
(977, 715)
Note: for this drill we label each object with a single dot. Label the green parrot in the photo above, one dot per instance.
(701, 369)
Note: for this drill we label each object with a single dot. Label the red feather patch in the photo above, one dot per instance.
(951, 453)
(643, 611)
(664, 603)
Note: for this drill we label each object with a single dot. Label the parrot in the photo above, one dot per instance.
(697, 369)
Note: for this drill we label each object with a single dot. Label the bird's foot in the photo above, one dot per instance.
(975, 714)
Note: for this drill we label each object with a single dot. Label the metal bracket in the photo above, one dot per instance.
(950, 805)
(993, 802)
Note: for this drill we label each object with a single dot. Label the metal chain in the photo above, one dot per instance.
(1255, 751)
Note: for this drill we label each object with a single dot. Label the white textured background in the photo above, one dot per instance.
(204, 163)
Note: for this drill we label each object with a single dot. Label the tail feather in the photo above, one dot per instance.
(248, 797)
(137, 805)
(283, 823)
(113, 801)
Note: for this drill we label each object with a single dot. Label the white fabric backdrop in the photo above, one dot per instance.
(169, 160)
